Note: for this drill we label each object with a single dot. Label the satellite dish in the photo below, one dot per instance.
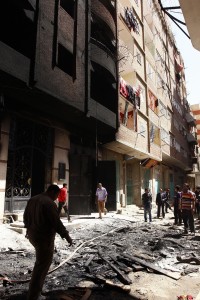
(124, 55)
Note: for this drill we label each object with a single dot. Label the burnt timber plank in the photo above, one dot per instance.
(151, 266)
(123, 278)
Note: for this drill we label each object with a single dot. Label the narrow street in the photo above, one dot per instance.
(119, 257)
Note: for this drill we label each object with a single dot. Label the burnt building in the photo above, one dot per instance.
(59, 98)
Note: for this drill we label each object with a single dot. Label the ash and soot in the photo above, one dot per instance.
(118, 257)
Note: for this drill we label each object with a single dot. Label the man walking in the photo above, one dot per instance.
(42, 222)
(147, 204)
(63, 201)
(101, 198)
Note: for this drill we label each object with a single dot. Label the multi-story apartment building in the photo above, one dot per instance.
(191, 15)
(156, 140)
(59, 97)
(195, 108)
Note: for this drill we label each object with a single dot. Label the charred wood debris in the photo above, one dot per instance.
(104, 254)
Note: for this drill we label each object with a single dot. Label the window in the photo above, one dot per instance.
(172, 141)
(177, 146)
(137, 2)
(142, 129)
(176, 124)
(153, 102)
(154, 133)
(128, 115)
(65, 60)
(139, 58)
(17, 25)
(150, 71)
(165, 136)
(169, 116)
(68, 6)
(150, 3)
(163, 110)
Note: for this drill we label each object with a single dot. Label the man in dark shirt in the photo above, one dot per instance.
(160, 202)
(147, 204)
(177, 203)
(167, 196)
(42, 222)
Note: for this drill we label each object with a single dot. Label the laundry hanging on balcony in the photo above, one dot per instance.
(130, 93)
(178, 66)
(131, 20)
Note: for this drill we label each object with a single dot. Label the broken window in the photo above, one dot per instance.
(153, 102)
(103, 87)
(17, 25)
(127, 114)
(68, 6)
(65, 60)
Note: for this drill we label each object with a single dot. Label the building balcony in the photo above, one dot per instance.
(129, 142)
(190, 119)
(175, 158)
(100, 10)
(14, 63)
(103, 56)
(110, 7)
(192, 138)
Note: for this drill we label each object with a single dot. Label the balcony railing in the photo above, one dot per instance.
(104, 47)
(110, 7)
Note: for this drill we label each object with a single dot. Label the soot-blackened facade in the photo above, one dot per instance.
(59, 97)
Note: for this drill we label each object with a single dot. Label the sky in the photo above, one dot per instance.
(190, 55)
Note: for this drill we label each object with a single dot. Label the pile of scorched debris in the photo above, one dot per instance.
(113, 258)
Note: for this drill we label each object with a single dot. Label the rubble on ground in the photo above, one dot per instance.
(108, 256)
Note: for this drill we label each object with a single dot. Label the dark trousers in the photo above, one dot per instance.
(147, 211)
(188, 219)
(177, 215)
(44, 249)
(167, 205)
(65, 207)
(161, 207)
(197, 209)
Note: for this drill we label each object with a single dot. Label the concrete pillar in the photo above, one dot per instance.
(4, 143)
(61, 151)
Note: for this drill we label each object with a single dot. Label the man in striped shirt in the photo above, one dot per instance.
(187, 206)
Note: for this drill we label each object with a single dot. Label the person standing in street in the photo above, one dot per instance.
(147, 204)
(160, 203)
(187, 208)
(101, 198)
(42, 222)
(176, 204)
(63, 201)
(197, 204)
(167, 198)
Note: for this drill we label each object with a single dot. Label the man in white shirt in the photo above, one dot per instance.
(101, 198)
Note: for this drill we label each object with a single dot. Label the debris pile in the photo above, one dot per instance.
(103, 258)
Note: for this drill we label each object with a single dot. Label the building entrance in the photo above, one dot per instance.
(29, 162)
